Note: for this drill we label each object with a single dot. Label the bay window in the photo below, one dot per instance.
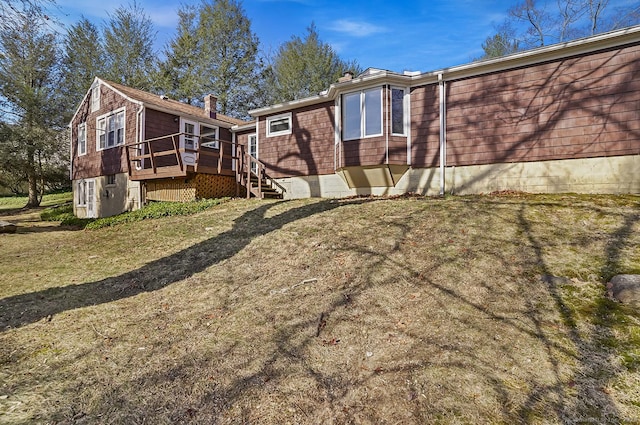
(362, 114)
(397, 111)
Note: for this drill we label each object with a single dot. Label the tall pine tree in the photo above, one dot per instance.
(180, 74)
(229, 55)
(306, 66)
(82, 60)
(30, 145)
(128, 45)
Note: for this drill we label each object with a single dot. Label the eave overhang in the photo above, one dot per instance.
(605, 41)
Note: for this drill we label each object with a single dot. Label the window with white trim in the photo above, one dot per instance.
(362, 114)
(111, 180)
(95, 98)
(279, 125)
(209, 136)
(82, 193)
(110, 130)
(397, 111)
(82, 139)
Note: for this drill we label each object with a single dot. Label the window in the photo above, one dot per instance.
(111, 179)
(253, 151)
(82, 193)
(82, 139)
(189, 129)
(110, 130)
(279, 125)
(397, 111)
(95, 98)
(209, 137)
(362, 114)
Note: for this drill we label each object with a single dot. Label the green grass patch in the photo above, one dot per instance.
(64, 213)
(616, 326)
(50, 199)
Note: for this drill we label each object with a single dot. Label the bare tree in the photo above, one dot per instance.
(536, 19)
(569, 13)
(595, 9)
(540, 23)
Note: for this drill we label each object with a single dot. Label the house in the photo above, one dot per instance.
(129, 147)
(560, 118)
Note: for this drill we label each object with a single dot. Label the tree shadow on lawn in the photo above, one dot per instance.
(285, 364)
(23, 309)
(286, 370)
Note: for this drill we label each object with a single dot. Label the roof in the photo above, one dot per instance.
(373, 76)
(154, 101)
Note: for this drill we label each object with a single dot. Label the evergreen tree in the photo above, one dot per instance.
(500, 44)
(228, 55)
(82, 61)
(306, 66)
(128, 45)
(29, 79)
(179, 75)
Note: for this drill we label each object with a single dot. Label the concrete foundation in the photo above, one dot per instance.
(591, 175)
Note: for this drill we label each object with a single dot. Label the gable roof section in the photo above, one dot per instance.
(552, 52)
(154, 101)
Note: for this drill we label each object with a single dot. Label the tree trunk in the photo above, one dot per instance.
(34, 199)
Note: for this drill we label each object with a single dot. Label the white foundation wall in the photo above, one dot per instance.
(124, 195)
(591, 175)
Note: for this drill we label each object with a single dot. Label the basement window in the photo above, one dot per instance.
(279, 125)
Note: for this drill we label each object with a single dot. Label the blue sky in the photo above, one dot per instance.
(393, 35)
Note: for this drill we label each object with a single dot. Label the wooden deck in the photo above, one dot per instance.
(163, 157)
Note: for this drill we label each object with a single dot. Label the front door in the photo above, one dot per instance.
(91, 198)
(189, 141)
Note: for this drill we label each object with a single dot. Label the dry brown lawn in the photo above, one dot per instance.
(461, 310)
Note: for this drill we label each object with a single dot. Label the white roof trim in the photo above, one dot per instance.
(137, 102)
(95, 79)
(168, 110)
(530, 57)
(248, 126)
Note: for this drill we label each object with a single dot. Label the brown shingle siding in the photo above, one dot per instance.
(308, 150)
(108, 161)
(574, 108)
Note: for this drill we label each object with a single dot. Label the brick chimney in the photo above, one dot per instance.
(210, 105)
(348, 76)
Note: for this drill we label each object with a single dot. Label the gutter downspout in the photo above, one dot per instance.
(443, 131)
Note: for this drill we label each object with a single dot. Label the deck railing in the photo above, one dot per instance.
(163, 157)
